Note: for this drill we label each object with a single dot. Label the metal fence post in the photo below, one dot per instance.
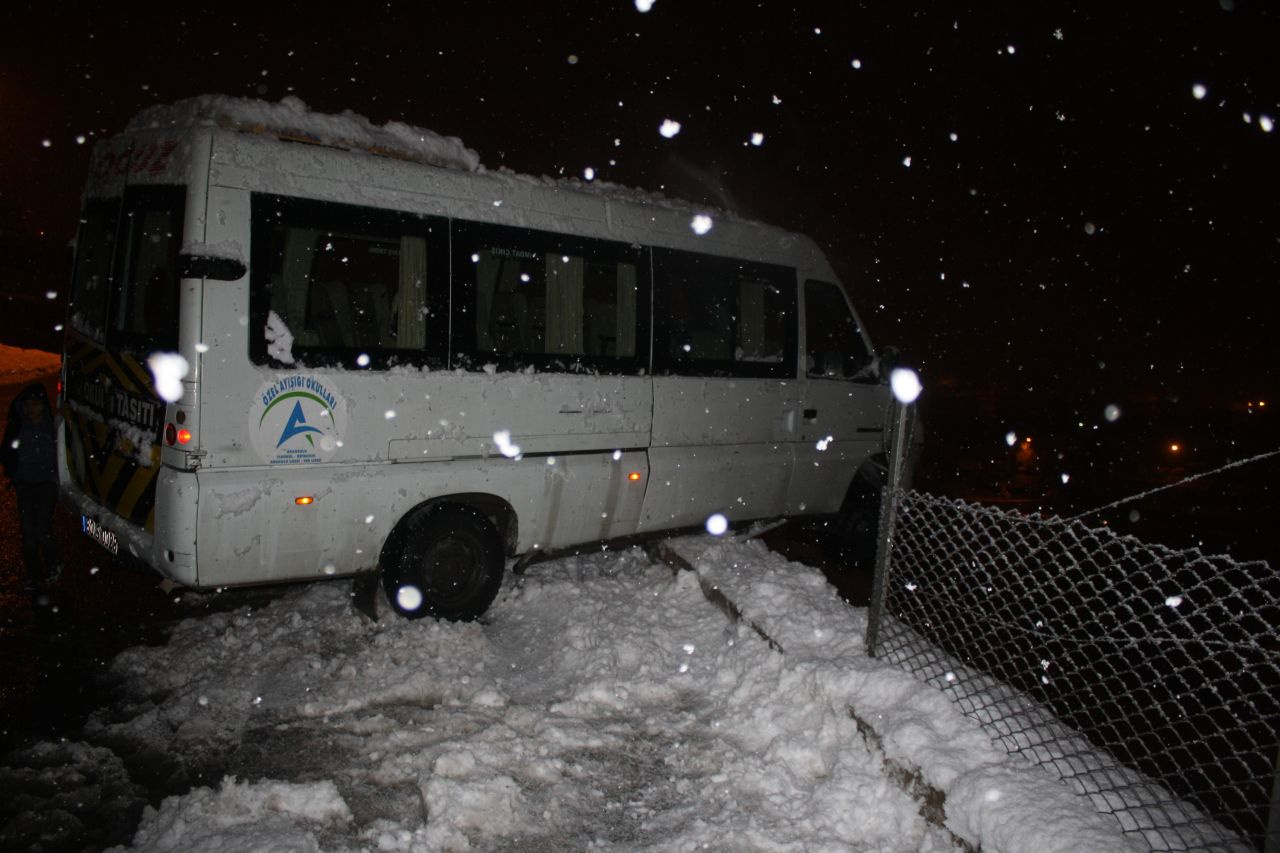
(1272, 844)
(889, 497)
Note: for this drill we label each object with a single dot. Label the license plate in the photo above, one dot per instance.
(104, 537)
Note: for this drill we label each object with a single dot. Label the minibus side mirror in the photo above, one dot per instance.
(208, 266)
(890, 357)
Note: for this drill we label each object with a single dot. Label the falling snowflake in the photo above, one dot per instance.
(905, 384)
(669, 128)
(502, 439)
(717, 524)
(168, 369)
(409, 597)
(701, 224)
(757, 139)
(1198, 91)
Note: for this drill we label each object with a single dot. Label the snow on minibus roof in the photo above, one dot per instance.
(291, 118)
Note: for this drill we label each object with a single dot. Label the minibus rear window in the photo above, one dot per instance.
(143, 313)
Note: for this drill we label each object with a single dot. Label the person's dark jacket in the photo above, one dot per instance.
(29, 464)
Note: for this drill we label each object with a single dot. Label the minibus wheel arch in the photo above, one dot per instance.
(858, 523)
(444, 560)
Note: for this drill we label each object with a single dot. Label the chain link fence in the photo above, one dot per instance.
(1147, 678)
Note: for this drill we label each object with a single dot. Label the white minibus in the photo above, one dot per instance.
(392, 360)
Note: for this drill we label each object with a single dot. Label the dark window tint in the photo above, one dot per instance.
(834, 345)
(144, 305)
(535, 298)
(723, 317)
(91, 279)
(351, 285)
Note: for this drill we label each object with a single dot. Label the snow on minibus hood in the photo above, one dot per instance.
(292, 118)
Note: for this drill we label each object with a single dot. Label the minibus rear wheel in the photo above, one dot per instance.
(449, 565)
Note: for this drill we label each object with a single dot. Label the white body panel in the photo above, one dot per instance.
(600, 456)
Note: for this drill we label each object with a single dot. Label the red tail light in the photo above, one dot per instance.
(173, 435)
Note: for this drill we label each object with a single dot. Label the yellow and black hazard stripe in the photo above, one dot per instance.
(113, 421)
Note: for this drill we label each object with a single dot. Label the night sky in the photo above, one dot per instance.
(1036, 201)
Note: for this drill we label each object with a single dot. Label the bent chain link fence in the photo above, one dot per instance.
(1147, 678)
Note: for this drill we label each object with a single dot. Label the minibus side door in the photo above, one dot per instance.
(843, 404)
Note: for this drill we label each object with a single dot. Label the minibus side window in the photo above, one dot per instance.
(724, 317)
(834, 345)
(527, 298)
(353, 286)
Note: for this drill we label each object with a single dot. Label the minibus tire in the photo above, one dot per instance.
(449, 566)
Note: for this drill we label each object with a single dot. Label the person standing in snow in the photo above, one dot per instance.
(29, 454)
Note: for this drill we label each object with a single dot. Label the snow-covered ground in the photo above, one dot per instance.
(605, 702)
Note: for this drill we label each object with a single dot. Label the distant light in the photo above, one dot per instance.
(669, 128)
(304, 500)
(701, 224)
(905, 384)
(717, 524)
(1199, 91)
(634, 476)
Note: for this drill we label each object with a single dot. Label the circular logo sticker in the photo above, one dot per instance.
(297, 419)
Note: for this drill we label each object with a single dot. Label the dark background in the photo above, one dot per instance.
(1094, 235)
